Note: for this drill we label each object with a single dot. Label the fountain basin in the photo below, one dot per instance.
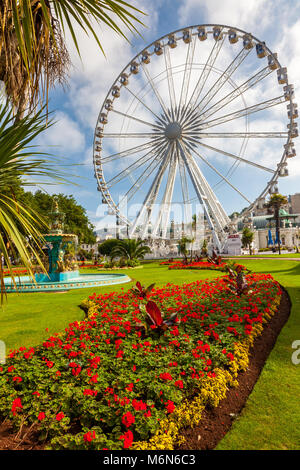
(57, 277)
(80, 281)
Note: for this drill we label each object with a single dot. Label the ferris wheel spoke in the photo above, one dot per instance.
(140, 180)
(151, 195)
(218, 173)
(242, 112)
(184, 187)
(239, 135)
(139, 135)
(205, 73)
(131, 151)
(223, 79)
(134, 166)
(187, 74)
(236, 157)
(154, 89)
(145, 106)
(153, 125)
(171, 87)
(263, 73)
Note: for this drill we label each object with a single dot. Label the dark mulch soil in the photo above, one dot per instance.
(215, 422)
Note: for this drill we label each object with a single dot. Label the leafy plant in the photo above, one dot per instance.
(153, 318)
(130, 249)
(215, 259)
(237, 282)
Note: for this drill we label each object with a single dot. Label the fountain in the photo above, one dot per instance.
(61, 265)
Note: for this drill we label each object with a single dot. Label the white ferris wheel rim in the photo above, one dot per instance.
(174, 132)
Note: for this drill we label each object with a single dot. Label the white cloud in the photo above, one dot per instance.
(241, 14)
(65, 135)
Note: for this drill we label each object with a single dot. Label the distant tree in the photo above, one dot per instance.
(204, 248)
(274, 204)
(105, 248)
(75, 221)
(247, 238)
(234, 214)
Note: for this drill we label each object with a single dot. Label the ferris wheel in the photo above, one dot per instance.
(195, 117)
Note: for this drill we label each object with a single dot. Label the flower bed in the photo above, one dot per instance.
(197, 265)
(16, 272)
(91, 266)
(102, 384)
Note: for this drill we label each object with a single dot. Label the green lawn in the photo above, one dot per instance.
(270, 419)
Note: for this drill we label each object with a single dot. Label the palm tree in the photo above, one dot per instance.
(33, 54)
(275, 203)
(19, 225)
(183, 247)
(247, 238)
(130, 249)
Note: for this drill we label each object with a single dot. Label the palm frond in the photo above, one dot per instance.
(33, 55)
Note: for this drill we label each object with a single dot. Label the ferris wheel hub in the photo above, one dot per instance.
(173, 130)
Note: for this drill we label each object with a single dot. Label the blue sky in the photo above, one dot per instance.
(76, 108)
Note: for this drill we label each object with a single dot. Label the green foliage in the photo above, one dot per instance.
(182, 245)
(247, 237)
(32, 44)
(105, 248)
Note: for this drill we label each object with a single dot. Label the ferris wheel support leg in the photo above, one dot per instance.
(165, 205)
(151, 195)
(202, 197)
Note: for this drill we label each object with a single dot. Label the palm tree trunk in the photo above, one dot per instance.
(277, 227)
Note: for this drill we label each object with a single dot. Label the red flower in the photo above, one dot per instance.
(166, 376)
(170, 406)
(17, 379)
(129, 387)
(179, 383)
(60, 416)
(16, 405)
(89, 436)
(128, 439)
(41, 416)
(128, 419)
